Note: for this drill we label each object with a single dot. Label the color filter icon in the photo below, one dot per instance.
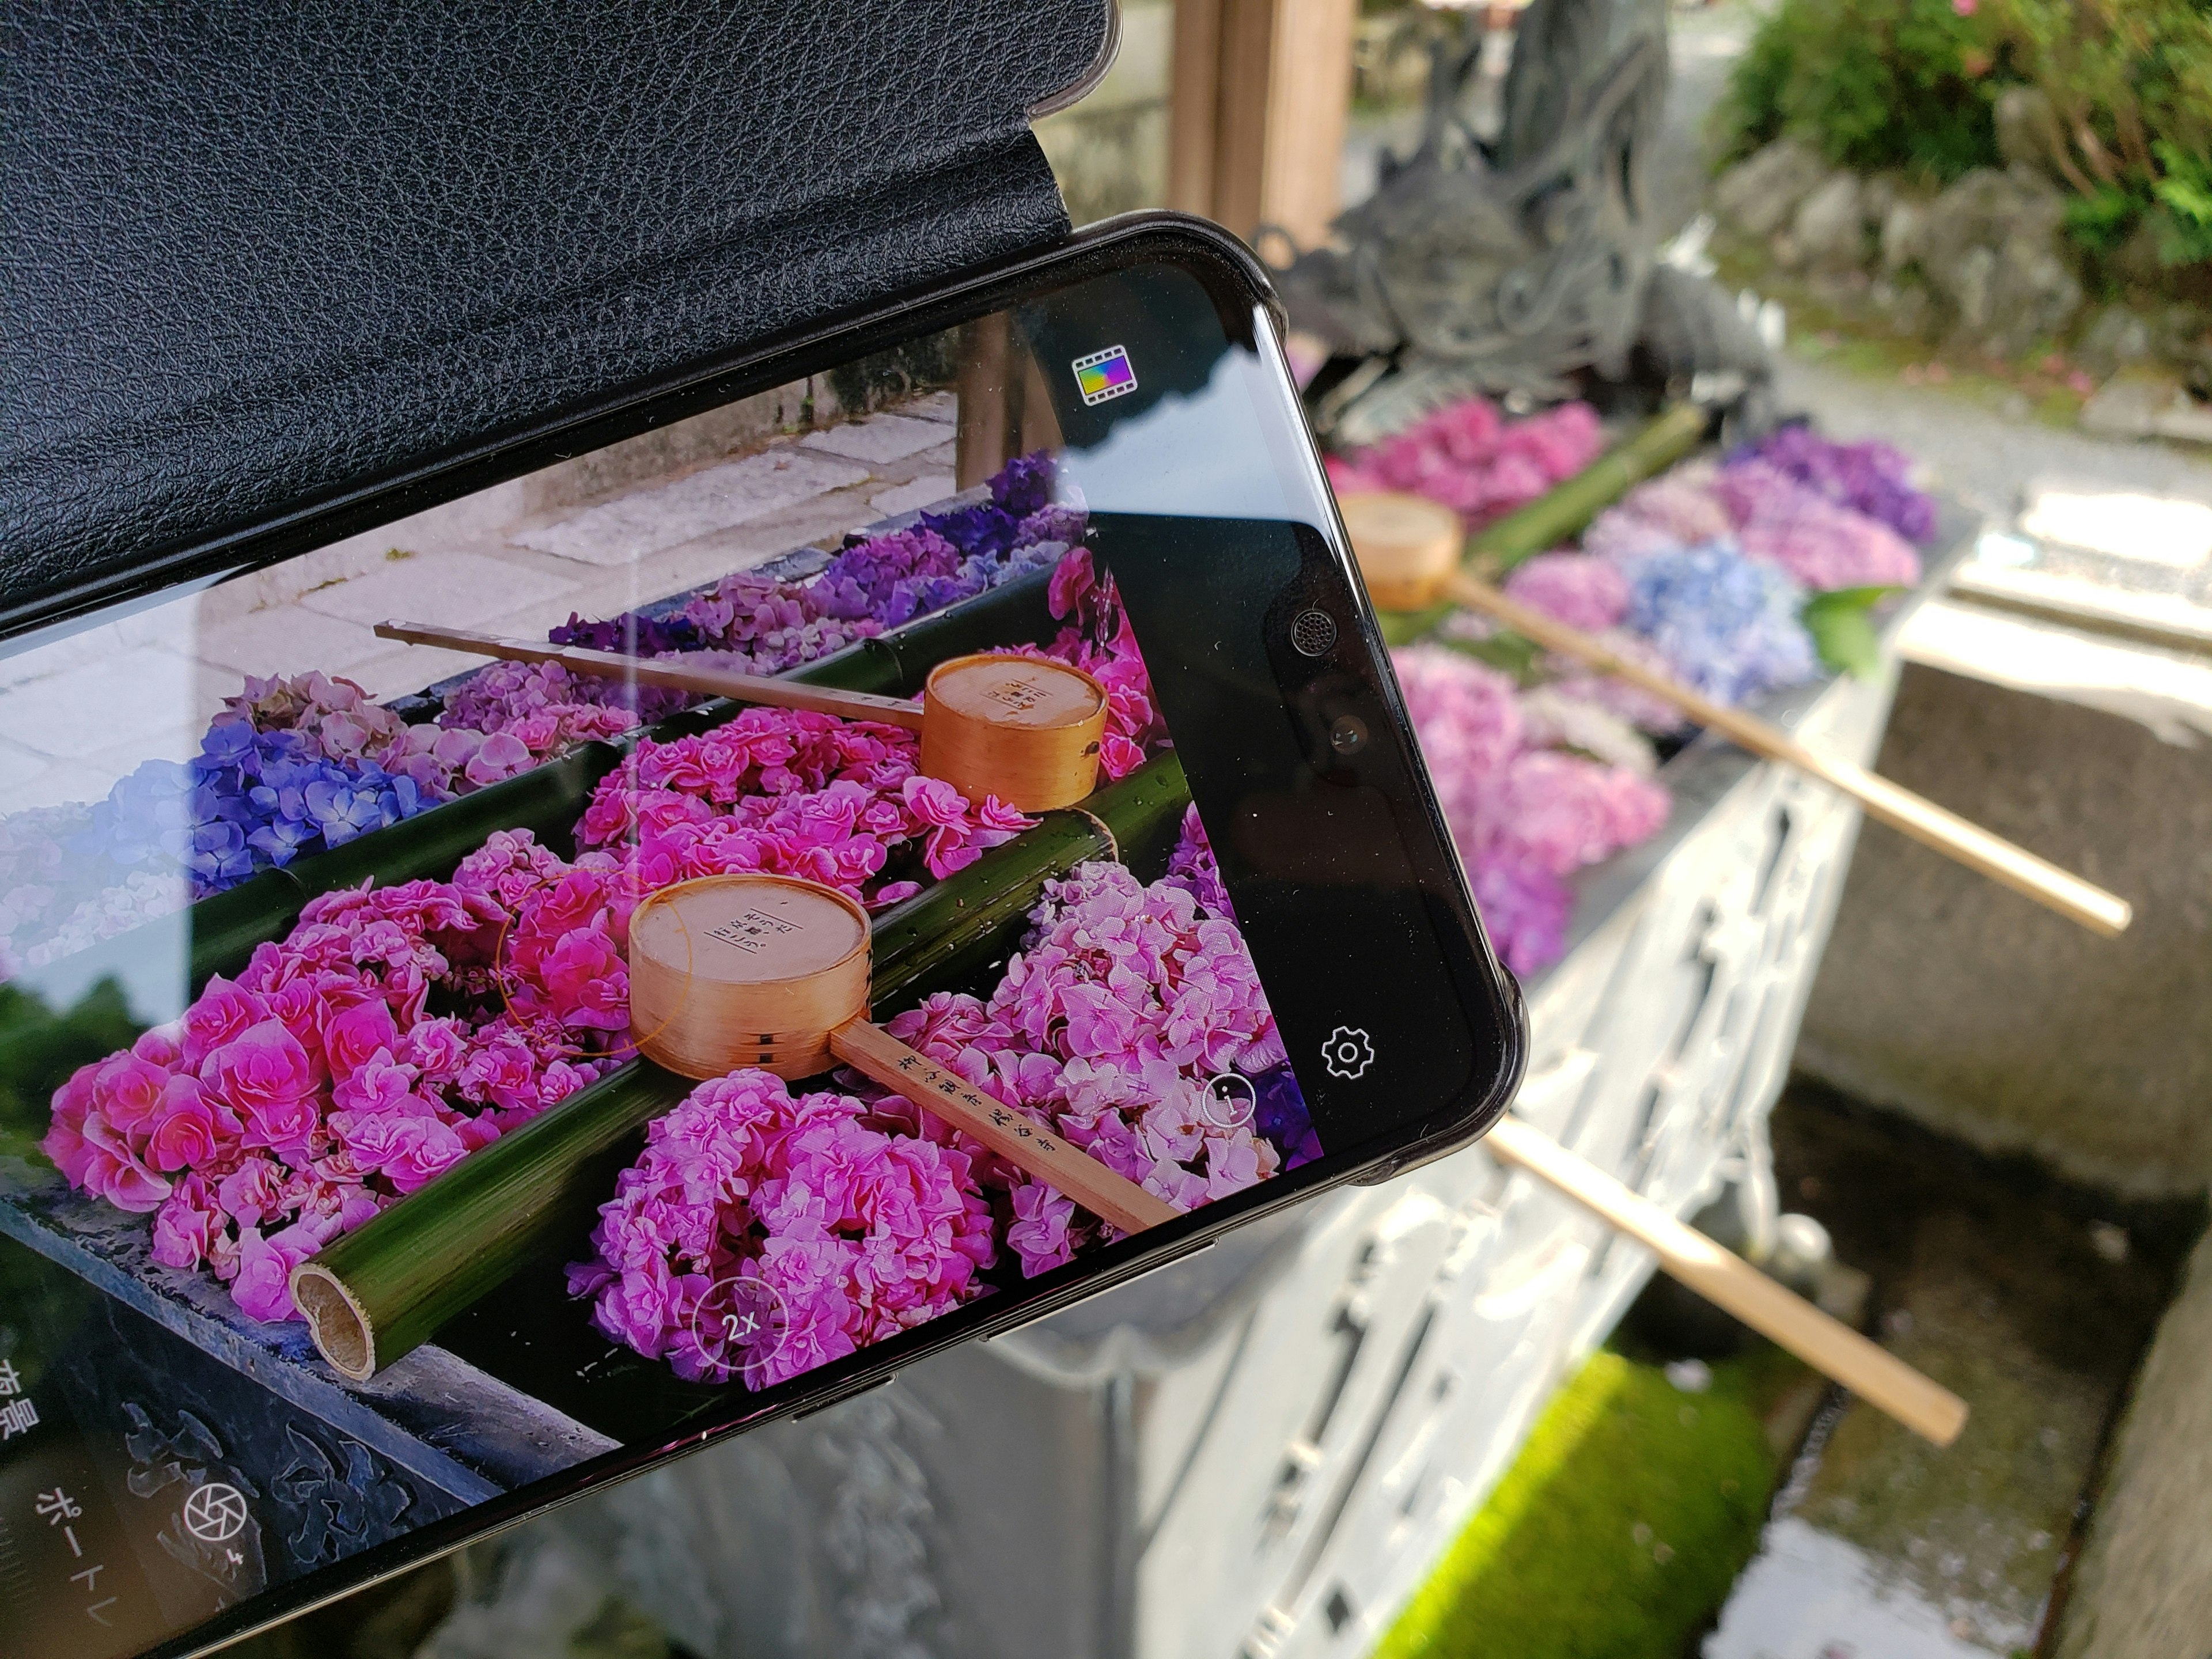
(1104, 374)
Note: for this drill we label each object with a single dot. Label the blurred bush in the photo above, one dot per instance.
(1874, 84)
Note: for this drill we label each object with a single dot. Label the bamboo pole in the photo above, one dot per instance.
(1726, 1281)
(1955, 837)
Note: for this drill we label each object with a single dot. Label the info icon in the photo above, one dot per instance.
(739, 1324)
(1231, 1101)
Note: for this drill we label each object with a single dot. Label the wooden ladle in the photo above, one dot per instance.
(750, 970)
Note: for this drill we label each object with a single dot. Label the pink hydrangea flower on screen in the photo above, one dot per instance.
(789, 792)
(291, 1105)
(1125, 1000)
(836, 1231)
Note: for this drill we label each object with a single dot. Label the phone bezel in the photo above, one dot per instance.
(581, 428)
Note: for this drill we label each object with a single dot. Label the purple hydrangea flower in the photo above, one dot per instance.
(1871, 477)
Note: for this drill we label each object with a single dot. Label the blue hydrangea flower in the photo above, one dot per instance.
(1728, 625)
(249, 801)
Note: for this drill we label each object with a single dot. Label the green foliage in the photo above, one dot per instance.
(2125, 78)
(1506, 652)
(2185, 193)
(1617, 1530)
(1841, 622)
(40, 1048)
(1872, 84)
(2102, 220)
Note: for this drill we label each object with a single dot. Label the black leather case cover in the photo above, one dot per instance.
(253, 257)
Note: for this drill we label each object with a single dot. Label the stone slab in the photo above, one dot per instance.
(459, 589)
(1966, 1007)
(2144, 1587)
(714, 498)
(145, 694)
(876, 438)
(925, 491)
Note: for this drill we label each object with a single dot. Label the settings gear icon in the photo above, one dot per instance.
(1348, 1053)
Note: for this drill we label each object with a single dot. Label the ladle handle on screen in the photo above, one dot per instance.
(1029, 1145)
(1946, 832)
(1726, 1279)
(667, 675)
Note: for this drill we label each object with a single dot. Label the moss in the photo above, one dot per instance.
(1620, 1526)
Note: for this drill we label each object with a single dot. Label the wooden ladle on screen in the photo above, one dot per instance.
(1024, 729)
(1413, 546)
(770, 971)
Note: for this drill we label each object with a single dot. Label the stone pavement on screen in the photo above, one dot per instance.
(595, 536)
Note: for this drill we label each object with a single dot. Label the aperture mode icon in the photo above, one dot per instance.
(1104, 374)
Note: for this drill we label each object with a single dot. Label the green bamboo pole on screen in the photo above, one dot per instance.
(1564, 511)
(382, 1292)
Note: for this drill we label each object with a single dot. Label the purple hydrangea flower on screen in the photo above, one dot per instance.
(631, 634)
(1282, 1116)
(1024, 484)
(981, 529)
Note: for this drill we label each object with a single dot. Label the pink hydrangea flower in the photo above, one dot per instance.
(789, 792)
(1468, 458)
(1523, 815)
(1125, 1000)
(1583, 592)
(1822, 543)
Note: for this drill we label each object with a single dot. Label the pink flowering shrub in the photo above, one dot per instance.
(1583, 592)
(540, 708)
(341, 724)
(1821, 543)
(791, 792)
(1678, 510)
(857, 1231)
(1470, 458)
(1752, 504)
(392, 1032)
(1523, 817)
(1107, 1025)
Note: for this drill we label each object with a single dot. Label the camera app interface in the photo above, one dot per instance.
(527, 981)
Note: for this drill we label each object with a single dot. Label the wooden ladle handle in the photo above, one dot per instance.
(1029, 1145)
(668, 675)
(1830, 1346)
(1955, 837)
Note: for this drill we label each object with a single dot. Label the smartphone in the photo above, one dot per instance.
(437, 1083)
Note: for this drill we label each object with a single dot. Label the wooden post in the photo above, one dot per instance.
(1005, 409)
(1261, 97)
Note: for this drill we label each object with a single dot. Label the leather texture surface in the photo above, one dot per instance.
(254, 256)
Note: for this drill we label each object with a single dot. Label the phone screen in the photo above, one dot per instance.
(445, 1065)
